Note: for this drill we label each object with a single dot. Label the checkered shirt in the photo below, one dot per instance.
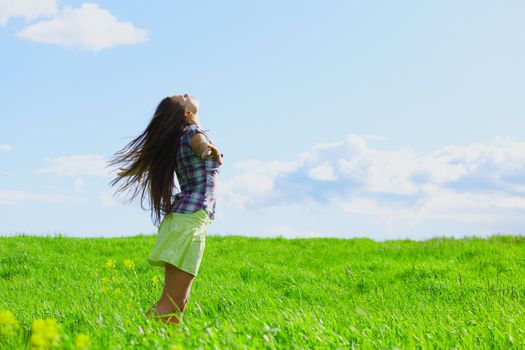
(196, 177)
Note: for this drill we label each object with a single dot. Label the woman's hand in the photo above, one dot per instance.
(201, 146)
(212, 151)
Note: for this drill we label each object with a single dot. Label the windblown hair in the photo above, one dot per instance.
(150, 159)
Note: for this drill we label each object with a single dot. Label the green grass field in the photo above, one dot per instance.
(314, 293)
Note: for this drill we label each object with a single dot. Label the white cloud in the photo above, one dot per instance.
(438, 204)
(255, 183)
(482, 183)
(77, 165)
(375, 137)
(28, 9)
(6, 148)
(323, 172)
(79, 184)
(288, 232)
(18, 197)
(88, 27)
(106, 200)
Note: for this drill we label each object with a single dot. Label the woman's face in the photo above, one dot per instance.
(190, 105)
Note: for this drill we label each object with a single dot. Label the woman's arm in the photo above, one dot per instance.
(201, 146)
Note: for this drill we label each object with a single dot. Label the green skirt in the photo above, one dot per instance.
(180, 241)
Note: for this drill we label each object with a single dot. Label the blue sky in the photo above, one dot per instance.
(384, 119)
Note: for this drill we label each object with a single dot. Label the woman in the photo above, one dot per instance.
(172, 143)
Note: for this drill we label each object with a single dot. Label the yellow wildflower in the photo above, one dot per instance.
(45, 333)
(105, 280)
(110, 263)
(8, 323)
(175, 347)
(38, 341)
(129, 263)
(105, 289)
(82, 341)
(118, 291)
(155, 280)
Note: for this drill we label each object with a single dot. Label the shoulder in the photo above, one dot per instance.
(193, 129)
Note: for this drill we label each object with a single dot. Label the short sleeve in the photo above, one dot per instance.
(192, 130)
(189, 132)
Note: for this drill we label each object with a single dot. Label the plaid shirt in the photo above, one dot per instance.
(196, 176)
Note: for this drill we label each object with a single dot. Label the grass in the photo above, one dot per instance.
(275, 293)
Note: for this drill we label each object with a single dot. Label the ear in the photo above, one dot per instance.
(187, 113)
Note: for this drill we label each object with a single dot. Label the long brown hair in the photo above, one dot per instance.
(150, 158)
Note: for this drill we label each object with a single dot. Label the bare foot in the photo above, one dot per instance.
(168, 318)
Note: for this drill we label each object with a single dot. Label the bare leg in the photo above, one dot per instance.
(175, 295)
